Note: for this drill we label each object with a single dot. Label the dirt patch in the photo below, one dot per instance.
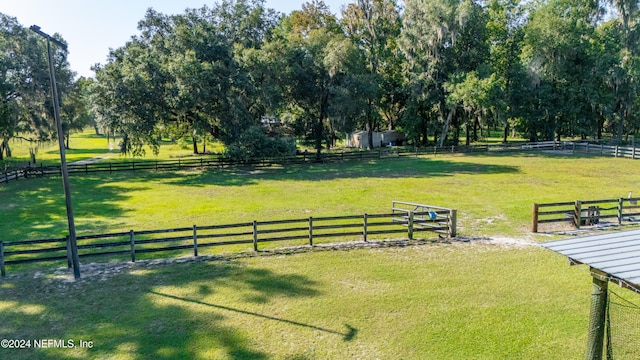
(502, 241)
(103, 271)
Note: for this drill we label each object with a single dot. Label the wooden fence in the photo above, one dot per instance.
(601, 149)
(220, 162)
(307, 231)
(585, 212)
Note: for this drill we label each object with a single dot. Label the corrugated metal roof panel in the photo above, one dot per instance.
(616, 254)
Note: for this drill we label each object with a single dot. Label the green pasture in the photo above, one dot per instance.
(493, 194)
(88, 145)
(456, 301)
(434, 300)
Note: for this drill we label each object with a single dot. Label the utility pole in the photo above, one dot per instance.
(63, 159)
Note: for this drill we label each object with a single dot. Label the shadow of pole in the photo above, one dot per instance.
(349, 335)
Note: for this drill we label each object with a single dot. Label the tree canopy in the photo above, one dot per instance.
(438, 71)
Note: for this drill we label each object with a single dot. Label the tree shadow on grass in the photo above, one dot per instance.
(40, 204)
(385, 168)
(553, 154)
(179, 311)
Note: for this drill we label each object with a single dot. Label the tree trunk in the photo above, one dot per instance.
(7, 148)
(320, 124)
(195, 145)
(32, 156)
(468, 133)
(318, 136)
(370, 124)
(505, 135)
(624, 111)
(445, 128)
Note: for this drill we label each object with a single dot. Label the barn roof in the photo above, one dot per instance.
(616, 255)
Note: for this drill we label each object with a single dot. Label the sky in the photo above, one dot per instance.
(92, 27)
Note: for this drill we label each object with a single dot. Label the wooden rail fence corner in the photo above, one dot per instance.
(585, 212)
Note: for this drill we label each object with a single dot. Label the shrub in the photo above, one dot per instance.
(254, 143)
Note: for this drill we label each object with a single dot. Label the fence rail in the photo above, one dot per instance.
(220, 162)
(585, 212)
(195, 238)
(630, 152)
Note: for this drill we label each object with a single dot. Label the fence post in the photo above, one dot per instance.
(2, 269)
(255, 235)
(617, 149)
(310, 230)
(620, 207)
(364, 232)
(195, 240)
(132, 241)
(453, 223)
(68, 253)
(577, 215)
(534, 219)
(599, 295)
(410, 226)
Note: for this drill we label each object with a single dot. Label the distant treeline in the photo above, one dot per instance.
(441, 72)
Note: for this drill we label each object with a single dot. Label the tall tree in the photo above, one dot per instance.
(26, 109)
(374, 26)
(505, 33)
(186, 76)
(626, 75)
(306, 82)
(430, 35)
(557, 53)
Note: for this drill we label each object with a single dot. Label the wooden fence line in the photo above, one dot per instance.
(179, 164)
(585, 212)
(194, 238)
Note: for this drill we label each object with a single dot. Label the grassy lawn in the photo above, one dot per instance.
(463, 300)
(455, 301)
(87, 145)
(493, 194)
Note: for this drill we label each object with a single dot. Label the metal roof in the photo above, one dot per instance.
(617, 255)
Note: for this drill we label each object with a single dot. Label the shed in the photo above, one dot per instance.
(360, 139)
(392, 137)
(612, 257)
